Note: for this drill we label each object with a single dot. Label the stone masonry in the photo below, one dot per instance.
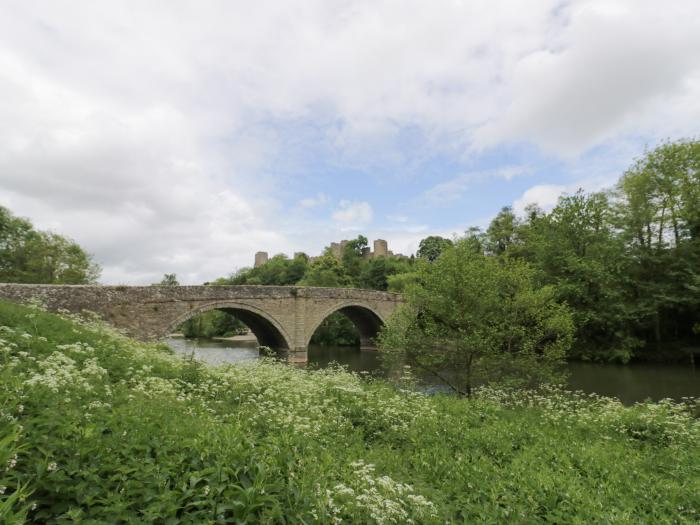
(281, 317)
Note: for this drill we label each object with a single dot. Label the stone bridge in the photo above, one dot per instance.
(281, 317)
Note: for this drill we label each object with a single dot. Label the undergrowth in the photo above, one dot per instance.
(98, 428)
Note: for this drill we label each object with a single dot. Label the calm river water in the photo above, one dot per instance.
(629, 383)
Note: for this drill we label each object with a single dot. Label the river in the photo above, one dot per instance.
(629, 383)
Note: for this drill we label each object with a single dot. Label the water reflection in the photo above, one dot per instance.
(214, 351)
(637, 381)
(630, 383)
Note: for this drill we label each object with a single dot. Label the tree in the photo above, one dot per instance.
(169, 279)
(326, 271)
(502, 233)
(279, 271)
(431, 247)
(481, 318)
(659, 216)
(576, 249)
(336, 330)
(31, 256)
(374, 274)
(399, 282)
(351, 258)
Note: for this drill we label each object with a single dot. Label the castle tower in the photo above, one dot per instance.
(335, 250)
(381, 248)
(260, 258)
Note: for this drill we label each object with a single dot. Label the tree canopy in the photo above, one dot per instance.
(473, 319)
(31, 256)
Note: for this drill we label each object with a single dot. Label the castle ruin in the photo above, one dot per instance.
(381, 249)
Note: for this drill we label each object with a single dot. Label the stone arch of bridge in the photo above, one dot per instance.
(365, 318)
(266, 328)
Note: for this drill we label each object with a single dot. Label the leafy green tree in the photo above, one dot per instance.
(279, 271)
(659, 215)
(336, 330)
(576, 249)
(473, 319)
(31, 256)
(326, 271)
(502, 233)
(213, 323)
(399, 282)
(431, 247)
(169, 279)
(352, 260)
(374, 274)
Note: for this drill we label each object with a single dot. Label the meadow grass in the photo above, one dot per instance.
(98, 428)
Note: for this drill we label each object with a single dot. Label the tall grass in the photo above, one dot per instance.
(97, 428)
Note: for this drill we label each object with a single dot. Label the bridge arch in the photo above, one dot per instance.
(366, 319)
(268, 330)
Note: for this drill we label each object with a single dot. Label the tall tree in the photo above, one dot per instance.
(432, 246)
(480, 318)
(575, 248)
(502, 233)
(326, 271)
(659, 214)
(31, 256)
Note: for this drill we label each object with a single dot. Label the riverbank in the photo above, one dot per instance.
(99, 426)
(631, 383)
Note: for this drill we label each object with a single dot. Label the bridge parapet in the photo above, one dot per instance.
(280, 316)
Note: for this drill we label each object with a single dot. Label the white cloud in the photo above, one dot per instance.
(353, 215)
(546, 196)
(312, 202)
(543, 195)
(614, 64)
(152, 132)
(453, 189)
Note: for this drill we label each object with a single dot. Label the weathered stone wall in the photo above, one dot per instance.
(281, 316)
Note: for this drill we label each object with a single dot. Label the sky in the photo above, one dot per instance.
(183, 136)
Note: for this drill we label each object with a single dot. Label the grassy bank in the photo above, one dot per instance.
(96, 428)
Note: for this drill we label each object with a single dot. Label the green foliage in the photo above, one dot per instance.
(625, 262)
(576, 249)
(336, 330)
(474, 319)
(503, 232)
(351, 269)
(432, 246)
(326, 271)
(106, 430)
(279, 271)
(31, 256)
(399, 282)
(352, 257)
(659, 199)
(169, 279)
(212, 323)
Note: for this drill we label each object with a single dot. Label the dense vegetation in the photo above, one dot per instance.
(626, 261)
(471, 319)
(31, 256)
(96, 428)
